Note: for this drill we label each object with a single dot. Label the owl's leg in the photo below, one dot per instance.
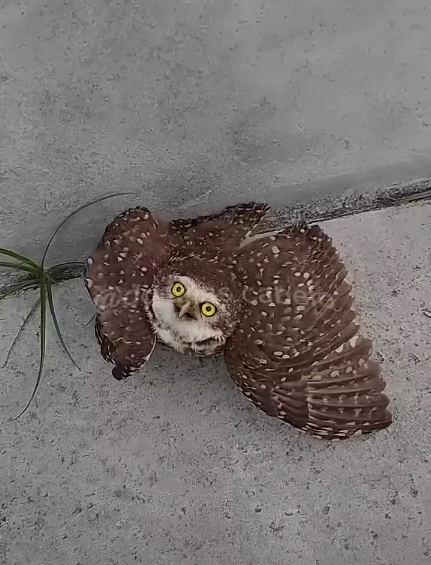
(206, 358)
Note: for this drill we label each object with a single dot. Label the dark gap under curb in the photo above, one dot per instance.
(332, 207)
(323, 209)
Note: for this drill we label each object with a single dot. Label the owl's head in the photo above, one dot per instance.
(199, 309)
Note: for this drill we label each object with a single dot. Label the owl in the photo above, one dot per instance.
(275, 304)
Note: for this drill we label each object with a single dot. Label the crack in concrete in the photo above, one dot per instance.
(324, 209)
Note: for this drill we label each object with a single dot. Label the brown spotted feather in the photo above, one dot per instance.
(119, 274)
(299, 354)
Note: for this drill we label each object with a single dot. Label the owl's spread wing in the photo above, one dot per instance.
(228, 227)
(298, 353)
(118, 276)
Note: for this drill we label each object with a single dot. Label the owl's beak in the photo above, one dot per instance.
(184, 308)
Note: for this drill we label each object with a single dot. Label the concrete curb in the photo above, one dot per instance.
(336, 202)
(352, 202)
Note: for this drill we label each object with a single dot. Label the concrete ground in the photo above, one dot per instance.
(175, 466)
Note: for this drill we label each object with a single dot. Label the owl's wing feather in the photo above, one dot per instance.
(106, 347)
(228, 227)
(118, 276)
(299, 354)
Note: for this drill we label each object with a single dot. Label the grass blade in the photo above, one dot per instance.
(8, 290)
(54, 319)
(90, 320)
(21, 259)
(23, 325)
(68, 264)
(73, 214)
(42, 340)
(17, 267)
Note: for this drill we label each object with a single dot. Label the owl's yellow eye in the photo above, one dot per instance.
(208, 309)
(178, 289)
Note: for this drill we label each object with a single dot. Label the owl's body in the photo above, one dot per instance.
(276, 306)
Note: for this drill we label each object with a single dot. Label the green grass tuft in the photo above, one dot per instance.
(34, 275)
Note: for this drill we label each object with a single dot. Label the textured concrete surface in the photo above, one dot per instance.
(175, 466)
(194, 103)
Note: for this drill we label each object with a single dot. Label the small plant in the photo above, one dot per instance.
(35, 275)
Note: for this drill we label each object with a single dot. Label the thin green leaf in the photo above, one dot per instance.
(42, 340)
(90, 320)
(22, 259)
(67, 264)
(73, 214)
(54, 319)
(8, 290)
(17, 267)
(23, 325)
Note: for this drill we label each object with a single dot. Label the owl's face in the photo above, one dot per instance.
(190, 315)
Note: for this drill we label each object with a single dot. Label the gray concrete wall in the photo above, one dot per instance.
(199, 104)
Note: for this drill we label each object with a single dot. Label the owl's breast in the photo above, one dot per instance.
(199, 347)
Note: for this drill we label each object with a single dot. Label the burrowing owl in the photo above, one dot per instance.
(275, 304)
